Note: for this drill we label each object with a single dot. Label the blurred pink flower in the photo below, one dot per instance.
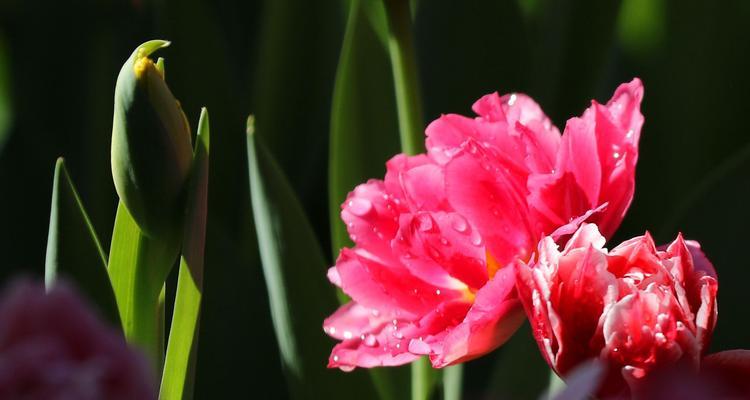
(637, 308)
(53, 347)
(426, 274)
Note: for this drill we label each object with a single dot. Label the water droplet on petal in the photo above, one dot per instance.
(335, 358)
(459, 223)
(346, 368)
(370, 341)
(512, 99)
(444, 241)
(347, 335)
(616, 155)
(476, 239)
(359, 206)
(437, 292)
(332, 330)
(398, 335)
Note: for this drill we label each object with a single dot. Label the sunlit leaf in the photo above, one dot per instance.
(73, 249)
(295, 270)
(135, 271)
(179, 365)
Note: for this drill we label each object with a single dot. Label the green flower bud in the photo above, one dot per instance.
(151, 145)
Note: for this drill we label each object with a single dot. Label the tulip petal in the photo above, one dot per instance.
(437, 247)
(484, 190)
(389, 289)
(370, 217)
(495, 315)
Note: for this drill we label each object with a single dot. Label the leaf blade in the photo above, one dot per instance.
(73, 248)
(179, 366)
(287, 242)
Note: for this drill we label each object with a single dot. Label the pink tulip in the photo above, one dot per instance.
(53, 347)
(426, 273)
(637, 308)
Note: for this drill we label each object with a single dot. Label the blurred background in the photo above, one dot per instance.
(278, 59)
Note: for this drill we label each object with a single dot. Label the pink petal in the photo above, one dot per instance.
(370, 215)
(446, 134)
(495, 315)
(353, 320)
(416, 182)
(491, 196)
(437, 247)
(387, 288)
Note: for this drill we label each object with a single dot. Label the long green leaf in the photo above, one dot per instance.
(406, 82)
(73, 249)
(294, 270)
(135, 261)
(179, 365)
(364, 128)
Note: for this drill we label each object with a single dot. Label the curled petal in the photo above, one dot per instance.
(495, 315)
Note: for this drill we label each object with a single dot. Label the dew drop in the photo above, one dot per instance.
(347, 335)
(512, 99)
(335, 358)
(616, 155)
(346, 368)
(437, 292)
(332, 330)
(459, 224)
(370, 341)
(375, 313)
(444, 241)
(359, 206)
(476, 239)
(398, 335)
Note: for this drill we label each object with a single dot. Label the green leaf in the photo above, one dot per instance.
(179, 366)
(295, 270)
(364, 129)
(137, 272)
(73, 249)
(406, 82)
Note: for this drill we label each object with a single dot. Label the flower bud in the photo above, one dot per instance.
(151, 145)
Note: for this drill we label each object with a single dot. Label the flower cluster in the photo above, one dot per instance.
(452, 246)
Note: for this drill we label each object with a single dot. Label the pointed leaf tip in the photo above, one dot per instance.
(250, 127)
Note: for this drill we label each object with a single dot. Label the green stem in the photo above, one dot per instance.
(421, 379)
(138, 265)
(404, 66)
(452, 381)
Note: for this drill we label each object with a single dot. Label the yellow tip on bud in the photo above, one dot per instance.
(141, 65)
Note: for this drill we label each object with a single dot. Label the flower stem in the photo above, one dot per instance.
(404, 67)
(421, 379)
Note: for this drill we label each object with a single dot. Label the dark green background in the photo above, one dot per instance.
(278, 59)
